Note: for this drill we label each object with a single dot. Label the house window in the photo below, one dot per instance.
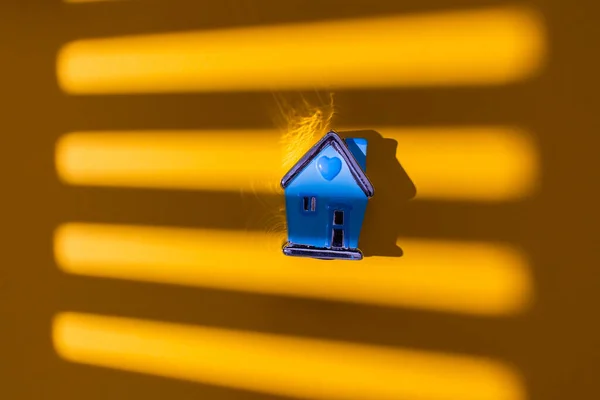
(309, 203)
(338, 238)
(338, 217)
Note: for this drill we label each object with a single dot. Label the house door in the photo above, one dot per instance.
(338, 233)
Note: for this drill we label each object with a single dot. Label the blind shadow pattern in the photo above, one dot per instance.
(128, 313)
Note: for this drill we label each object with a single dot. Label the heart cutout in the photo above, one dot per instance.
(329, 167)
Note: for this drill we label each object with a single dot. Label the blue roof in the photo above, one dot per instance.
(333, 139)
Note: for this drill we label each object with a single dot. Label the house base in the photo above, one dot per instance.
(297, 250)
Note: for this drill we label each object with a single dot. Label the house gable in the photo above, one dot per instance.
(310, 181)
(314, 157)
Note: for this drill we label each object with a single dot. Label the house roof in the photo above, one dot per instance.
(333, 139)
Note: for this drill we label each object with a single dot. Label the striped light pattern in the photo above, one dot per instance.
(288, 366)
(482, 47)
(464, 277)
(456, 163)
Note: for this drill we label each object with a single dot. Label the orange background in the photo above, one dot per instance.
(547, 339)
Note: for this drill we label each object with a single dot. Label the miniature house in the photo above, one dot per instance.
(326, 196)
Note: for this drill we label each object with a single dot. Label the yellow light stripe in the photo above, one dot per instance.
(464, 277)
(474, 163)
(492, 46)
(280, 365)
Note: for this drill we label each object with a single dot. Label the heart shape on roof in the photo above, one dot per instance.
(329, 167)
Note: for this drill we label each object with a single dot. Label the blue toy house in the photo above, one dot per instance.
(326, 196)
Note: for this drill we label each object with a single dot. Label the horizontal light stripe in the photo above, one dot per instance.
(475, 163)
(493, 46)
(280, 365)
(464, 277)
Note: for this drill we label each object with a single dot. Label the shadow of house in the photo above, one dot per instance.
(393, 189)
